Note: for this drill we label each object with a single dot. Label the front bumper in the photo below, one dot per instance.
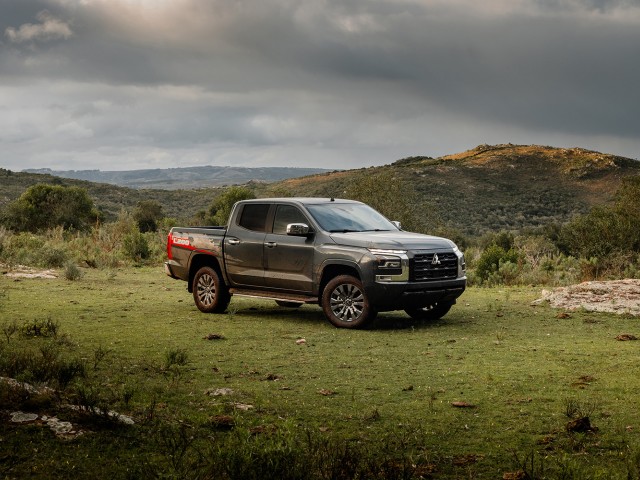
(402, 295)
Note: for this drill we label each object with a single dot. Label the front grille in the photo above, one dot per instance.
(423, 266)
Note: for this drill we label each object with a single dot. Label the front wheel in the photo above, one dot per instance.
(345, 303)
(431, 312)
(209, 291)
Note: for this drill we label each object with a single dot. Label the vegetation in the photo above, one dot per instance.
(490, 390)
(497, 389)
(221, 207)
(148, 213)
(484, 190)
(43, 206)
(398, 201)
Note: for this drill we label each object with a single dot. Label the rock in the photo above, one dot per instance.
(19, 417)
(326, 392)
(214, 336)
(580, 425)
(219, 392)
(615, 296)
(222, 422)
(462, 405)
(625, 337)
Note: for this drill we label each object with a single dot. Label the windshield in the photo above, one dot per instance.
(349, 217)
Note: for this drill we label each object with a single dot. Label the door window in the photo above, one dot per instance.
(286, 214)
(254, 217)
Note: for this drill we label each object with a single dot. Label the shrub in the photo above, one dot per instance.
(491, 259)
(45, 206)
(136, 247)
(72, 272)
(221, 207)
(147, 214)
(40, 328)
(52, 257)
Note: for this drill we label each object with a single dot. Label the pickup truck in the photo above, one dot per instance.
(340, 254)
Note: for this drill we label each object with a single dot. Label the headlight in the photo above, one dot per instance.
(388, 259)
(381, 251)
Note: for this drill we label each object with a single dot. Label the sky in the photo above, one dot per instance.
(133, 84)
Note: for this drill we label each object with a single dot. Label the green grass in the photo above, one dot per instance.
(385, 393)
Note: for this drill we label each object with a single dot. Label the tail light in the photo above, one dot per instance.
(169, 245)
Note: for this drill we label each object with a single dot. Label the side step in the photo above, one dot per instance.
(285, 297)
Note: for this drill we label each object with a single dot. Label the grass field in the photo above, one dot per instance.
(487, 392)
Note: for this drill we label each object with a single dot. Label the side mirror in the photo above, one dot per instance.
(298, 229)
(397, 224)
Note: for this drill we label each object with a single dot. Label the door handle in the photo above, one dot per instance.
(270, 244)
(234, 241)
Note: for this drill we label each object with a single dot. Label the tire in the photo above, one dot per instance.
(345, 303)
(210, 293)
(432, 312)
(286, 304)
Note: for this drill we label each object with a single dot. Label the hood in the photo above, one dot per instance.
(392, 240)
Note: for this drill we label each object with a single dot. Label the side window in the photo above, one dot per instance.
(286, 214)
(254, 217)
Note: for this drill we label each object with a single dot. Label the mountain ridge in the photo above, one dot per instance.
(182, 177)
(487, 188)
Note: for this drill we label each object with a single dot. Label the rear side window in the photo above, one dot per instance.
(254, 217)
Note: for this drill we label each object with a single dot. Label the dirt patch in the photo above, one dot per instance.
(615, 296)
(20, 271)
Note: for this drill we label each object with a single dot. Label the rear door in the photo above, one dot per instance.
(244, 245)
(288, 259)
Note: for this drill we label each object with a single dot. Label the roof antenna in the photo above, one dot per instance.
(332, 199)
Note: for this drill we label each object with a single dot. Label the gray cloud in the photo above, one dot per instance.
(49, 28)
(127, 84)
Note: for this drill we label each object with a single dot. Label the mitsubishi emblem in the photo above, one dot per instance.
(436, 260)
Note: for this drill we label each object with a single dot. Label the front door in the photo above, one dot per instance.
(288, 259)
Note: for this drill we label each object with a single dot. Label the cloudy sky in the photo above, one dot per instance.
(125, 84)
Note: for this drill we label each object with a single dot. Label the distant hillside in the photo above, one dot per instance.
(111, 199)
(488, 188)
(182, 178)
(495, 187)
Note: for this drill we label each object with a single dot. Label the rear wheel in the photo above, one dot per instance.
(345, 303)
(209, 291)
(431, 312)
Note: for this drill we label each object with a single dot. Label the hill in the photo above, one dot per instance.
(488, 188)
(111, 199)
(497, 187)
(182, 178)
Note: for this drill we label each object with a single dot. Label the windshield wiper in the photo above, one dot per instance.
(344, 230)
(376, 230)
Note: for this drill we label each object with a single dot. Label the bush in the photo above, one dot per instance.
(72, 272)
(45, 206)
(40, 328)
(491, 259)
(148, 214)
(52, 257)
(136, 247)
(221, 207)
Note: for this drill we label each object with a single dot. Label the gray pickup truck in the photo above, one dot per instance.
(340, 254)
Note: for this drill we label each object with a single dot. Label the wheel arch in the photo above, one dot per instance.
(202, 260)
(332, 270)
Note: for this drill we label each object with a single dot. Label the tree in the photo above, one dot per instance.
(606, 229)
(221, 207)
(395, 199)
(147, 214)
(44, 206)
